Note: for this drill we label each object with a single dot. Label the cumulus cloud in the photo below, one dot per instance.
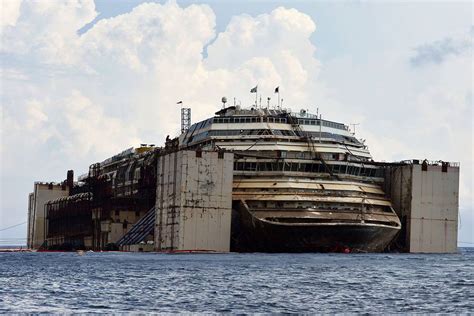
(70, 99)
(46, 31)
(10, 12)
(276, 47)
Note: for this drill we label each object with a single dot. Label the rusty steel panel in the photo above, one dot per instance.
(194, 200)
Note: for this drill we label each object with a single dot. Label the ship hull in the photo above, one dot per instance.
(252, 234)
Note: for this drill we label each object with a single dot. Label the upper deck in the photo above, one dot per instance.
(244, 124)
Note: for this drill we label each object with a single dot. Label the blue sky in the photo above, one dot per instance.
(84, 80)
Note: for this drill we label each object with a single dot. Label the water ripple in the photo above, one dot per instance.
(236, 283)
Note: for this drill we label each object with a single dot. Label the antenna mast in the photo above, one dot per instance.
(185, 119)
(354, 127)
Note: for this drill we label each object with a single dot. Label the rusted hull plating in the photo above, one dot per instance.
(251, 234)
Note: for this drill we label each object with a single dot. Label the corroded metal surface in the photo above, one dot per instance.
(255, 234)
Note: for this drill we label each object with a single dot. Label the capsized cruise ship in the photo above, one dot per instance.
(300, 184)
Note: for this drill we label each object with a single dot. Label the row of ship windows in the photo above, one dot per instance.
(254, 119)
(260, 132)
(266, 119)
(250, 132)
(325, 123)
(307, 167)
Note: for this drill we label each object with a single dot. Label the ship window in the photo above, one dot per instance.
(251, 166)
(301, 167)
(379, 173)
(342, 169)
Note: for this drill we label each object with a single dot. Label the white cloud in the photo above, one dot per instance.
(276, 47)
(46, 31)
(71, 99)
(10, 12)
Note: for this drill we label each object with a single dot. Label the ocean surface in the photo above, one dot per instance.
(236, 283)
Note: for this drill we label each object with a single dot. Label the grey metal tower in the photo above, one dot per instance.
(185, 119)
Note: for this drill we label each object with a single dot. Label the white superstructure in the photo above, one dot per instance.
(296, 169)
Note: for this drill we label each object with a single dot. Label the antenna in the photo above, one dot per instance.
(354, 127)
(224, 101)
(268, 102)
(185, 119)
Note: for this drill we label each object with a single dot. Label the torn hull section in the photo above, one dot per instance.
(253, 234)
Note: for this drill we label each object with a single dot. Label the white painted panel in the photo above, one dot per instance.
(41, 195)
(434, 210)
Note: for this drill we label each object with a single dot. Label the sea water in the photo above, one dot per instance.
(111, 282)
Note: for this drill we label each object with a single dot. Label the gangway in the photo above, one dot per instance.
(140, 230)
